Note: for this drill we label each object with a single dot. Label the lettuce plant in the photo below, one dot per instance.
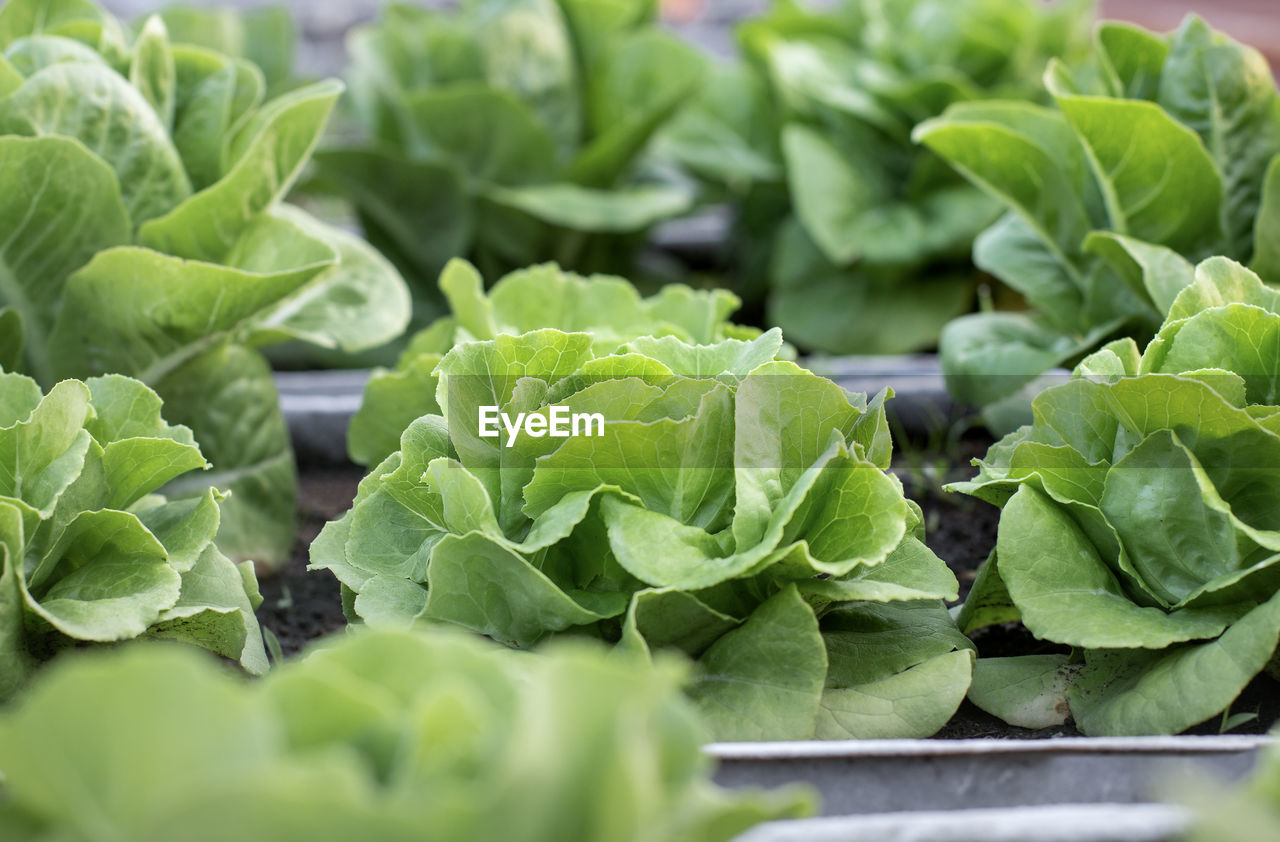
(141, 184)
(1160, 154)
(609, 308)
(510, 132)
(728, 504)
(89, 552)
(872, 251)
(1141, 523)
(388, 736)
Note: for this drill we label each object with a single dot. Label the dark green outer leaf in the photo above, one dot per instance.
(1227, 94)
(488, 134)
(863, 308)
(421, 207)
(1134, 691)
(646, 78)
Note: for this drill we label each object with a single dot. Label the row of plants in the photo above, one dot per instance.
(886, 167)
(861, 238)
(735, 515)
(736, 512)
(734, 507)
(845, 232)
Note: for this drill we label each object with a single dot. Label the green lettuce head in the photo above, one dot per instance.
(1160, 153)
(510, 132)
(1141, 523)
(609, 308)
(857, 240)
(89, 552)
(390, 736)
(714, 500)
(141, 185)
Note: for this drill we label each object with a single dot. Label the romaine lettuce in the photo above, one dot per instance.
(1159, 153)
(864, 238)
(140, 185)
(735, 507)
(511, 132)
(544, 296)
(1141, 523)
(88, 551)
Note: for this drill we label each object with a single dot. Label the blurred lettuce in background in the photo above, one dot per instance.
(854, 239)
(510, 132)
(388, 736)
(1157, 153)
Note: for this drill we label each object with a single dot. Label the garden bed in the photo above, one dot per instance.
(299, 606)
(864, 194)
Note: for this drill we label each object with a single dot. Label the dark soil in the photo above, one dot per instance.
(1261, 698)
(961, 530)
(299, 606)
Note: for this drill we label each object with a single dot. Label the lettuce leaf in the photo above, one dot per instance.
(542, 296)
(1139, 523)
